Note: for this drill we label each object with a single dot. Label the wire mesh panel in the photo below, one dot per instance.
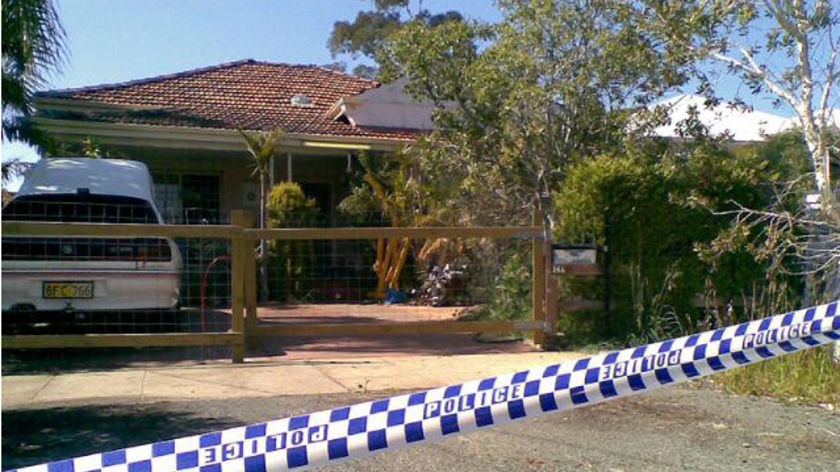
(127, 275)
(425, 291)
(320, 271)
(403, 272)
(485, 278)
(110, 281)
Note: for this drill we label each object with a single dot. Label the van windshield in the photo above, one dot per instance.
(80, 208)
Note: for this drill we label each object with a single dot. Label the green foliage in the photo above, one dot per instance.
(389, 189)
(510, 295)
(785, 152)
(384, 190)
(364, 34)
(260, 146)
(758, 41)
(660, 213)
(519, 100)
(777, 166)
(34, 47)
(360, 208)
(809, 377)
(290, 262)
(289, 207)
(372, 28)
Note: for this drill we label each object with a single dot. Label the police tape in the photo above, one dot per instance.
(367, 428)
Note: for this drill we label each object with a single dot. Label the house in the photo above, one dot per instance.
(184, 126)
(740, 124)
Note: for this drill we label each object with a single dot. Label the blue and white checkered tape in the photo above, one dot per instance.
(390, 423)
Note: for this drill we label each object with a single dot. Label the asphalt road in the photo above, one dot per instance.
(675, 429)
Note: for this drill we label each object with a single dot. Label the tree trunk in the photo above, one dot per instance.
(264, 295)
(821, 162)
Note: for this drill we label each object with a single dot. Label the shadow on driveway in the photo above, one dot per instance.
(32, 437)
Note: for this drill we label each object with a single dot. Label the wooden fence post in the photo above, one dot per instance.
(551, 301)
(538, 279)
(240, 219)
(250, 287)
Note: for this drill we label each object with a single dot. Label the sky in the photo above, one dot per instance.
(119, 40)
(113, 41)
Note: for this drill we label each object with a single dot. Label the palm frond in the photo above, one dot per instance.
(260, 145)
(13, 168)
(34, 46)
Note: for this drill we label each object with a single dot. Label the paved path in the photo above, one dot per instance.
(262, 378)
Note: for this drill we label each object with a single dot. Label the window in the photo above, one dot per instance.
(188, 198)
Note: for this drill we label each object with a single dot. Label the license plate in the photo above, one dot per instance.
(67, 289)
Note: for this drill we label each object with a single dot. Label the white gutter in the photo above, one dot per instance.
(198, 138)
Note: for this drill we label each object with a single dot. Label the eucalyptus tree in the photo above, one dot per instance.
(366, 34)
(788, 50)
(555, 81)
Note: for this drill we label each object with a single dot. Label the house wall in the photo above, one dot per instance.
(223, 170)
(322, 176)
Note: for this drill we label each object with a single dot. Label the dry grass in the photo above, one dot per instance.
(807, 377)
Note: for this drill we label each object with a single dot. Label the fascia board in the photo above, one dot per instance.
(198, 138)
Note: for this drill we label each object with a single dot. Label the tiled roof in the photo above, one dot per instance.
(247, 95)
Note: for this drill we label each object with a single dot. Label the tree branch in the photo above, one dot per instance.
(757, 71)
(830, 77)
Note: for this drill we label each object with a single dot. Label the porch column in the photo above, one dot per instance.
(289, 177)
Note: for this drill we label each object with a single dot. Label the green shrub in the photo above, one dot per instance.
(510, 296)
(291, 263)
(580, 329)
(808, 376)
(656, 212)
(289, 207)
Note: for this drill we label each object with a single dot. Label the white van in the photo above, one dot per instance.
(88, 273)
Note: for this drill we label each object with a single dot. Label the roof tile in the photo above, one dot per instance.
(249, 95)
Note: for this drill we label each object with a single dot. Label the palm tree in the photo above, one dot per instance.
(260, 146)
(13, 168)
(406, 202)
(34, 47)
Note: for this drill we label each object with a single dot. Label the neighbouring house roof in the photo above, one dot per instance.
(739, 123)
(248, 95)
(388, 105)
